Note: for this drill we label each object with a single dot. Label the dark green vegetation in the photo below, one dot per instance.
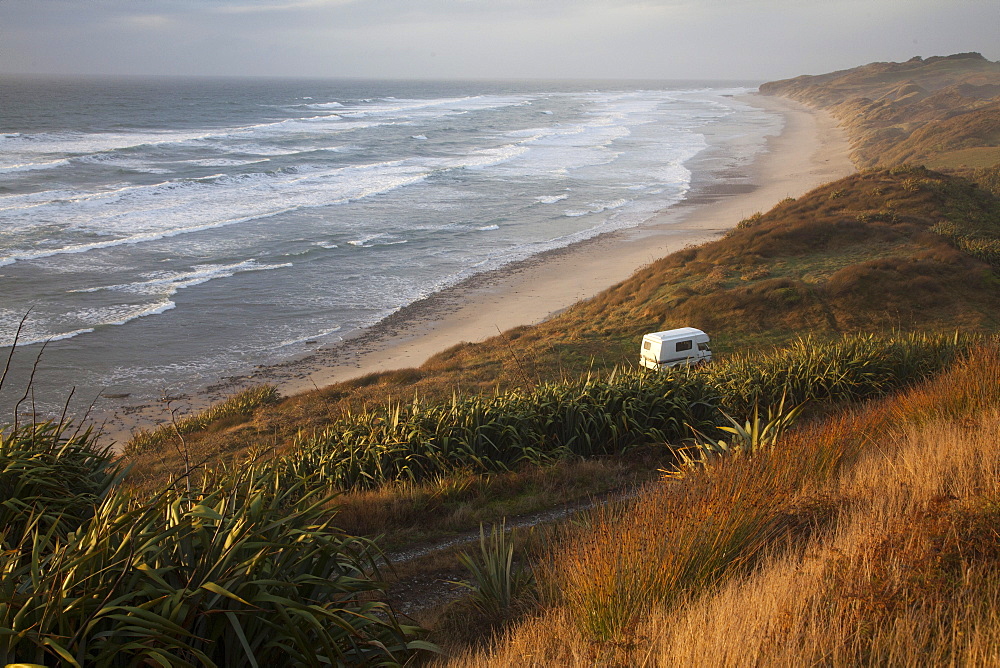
(599, 417)
(233, 569)
(942, 112)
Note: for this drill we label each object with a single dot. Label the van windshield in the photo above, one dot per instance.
(703, 347)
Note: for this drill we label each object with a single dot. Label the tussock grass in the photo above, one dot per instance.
(864, 539)
(907, 576)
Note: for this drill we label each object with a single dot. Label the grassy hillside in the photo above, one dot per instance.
(942, 112)
(872, 251)
(899, 249)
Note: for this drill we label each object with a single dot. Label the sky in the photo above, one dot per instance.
(485, 39)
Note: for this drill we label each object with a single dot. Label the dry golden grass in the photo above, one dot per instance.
(939, 111)
(868, 539)
(907, 576)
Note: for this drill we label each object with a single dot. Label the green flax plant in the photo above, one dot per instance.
(587, 417)
(755, 434)
(852, 368)
(595, 416)
(497, 583)
(51, 477)
(240, 570)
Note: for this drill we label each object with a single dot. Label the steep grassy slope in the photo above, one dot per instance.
(943, 112)
(871, 251)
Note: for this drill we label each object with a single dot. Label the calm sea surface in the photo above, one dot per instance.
(160, 234)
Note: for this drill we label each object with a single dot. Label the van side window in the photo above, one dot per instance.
(646, 345)
(703, 346)
(683, 345)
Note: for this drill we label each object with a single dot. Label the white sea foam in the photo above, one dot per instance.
(121, 314)
(33, 330)
(415, 107)
(134, 214)
(161, 286)
(551, 199)
(309, 337)
(29, 166)
(168, 283)
(380, 239)
(223, 162)
(36, 151)
(119, 163)
(598, 207)
(560, 148)
(87, 143)
(488, 228)
(542, 150)
(140, 214)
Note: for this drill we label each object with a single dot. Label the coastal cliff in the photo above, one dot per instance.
(942, 112)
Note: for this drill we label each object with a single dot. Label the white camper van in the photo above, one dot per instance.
(673, 347)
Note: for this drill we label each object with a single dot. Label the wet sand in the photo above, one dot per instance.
(810, 151)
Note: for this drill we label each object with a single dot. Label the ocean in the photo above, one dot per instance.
(159, 234)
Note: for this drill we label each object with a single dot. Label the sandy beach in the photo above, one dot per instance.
(810, 151)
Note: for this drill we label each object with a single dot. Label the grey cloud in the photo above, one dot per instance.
(485, 38)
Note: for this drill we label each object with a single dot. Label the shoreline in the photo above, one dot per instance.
(810, 150)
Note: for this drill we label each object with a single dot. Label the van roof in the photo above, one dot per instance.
(676, 334)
